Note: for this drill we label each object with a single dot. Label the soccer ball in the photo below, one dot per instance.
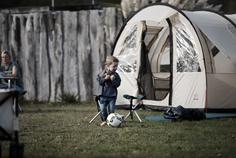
(115, 120)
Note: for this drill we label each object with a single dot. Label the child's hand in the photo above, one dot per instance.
(107, 77)
(112, 77)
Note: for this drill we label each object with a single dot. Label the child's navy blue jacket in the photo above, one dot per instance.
(108, 88)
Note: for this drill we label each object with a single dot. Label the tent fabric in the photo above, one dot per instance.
(145, 13)
(232, 17)
(191, 55)
(188, 66)
(221, 91)
(126, 50)
(218, 29)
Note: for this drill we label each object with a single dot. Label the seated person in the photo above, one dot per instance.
(8, 68)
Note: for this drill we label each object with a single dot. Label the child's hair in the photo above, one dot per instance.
(110, 60)
(6, 52)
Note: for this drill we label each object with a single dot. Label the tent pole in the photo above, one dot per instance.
(171, 60)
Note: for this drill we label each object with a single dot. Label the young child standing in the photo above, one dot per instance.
(108, 80)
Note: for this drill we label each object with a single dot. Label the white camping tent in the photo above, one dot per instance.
(178, 57)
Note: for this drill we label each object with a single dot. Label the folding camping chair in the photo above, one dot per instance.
(9, 116)
(133, 108)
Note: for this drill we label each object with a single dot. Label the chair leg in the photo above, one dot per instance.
(94, 117)
(127, 116)
(138, 116)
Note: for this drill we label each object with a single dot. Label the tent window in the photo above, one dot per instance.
(214, 51)
(130, 40)
(187, 57)
(128, 50)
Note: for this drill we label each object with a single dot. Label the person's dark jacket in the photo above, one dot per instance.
(108, 88)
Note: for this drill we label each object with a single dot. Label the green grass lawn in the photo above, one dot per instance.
(53, 131)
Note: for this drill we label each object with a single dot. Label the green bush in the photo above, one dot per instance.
(69, 98)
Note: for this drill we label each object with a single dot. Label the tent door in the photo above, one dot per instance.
(157, 86)
(161, 78)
